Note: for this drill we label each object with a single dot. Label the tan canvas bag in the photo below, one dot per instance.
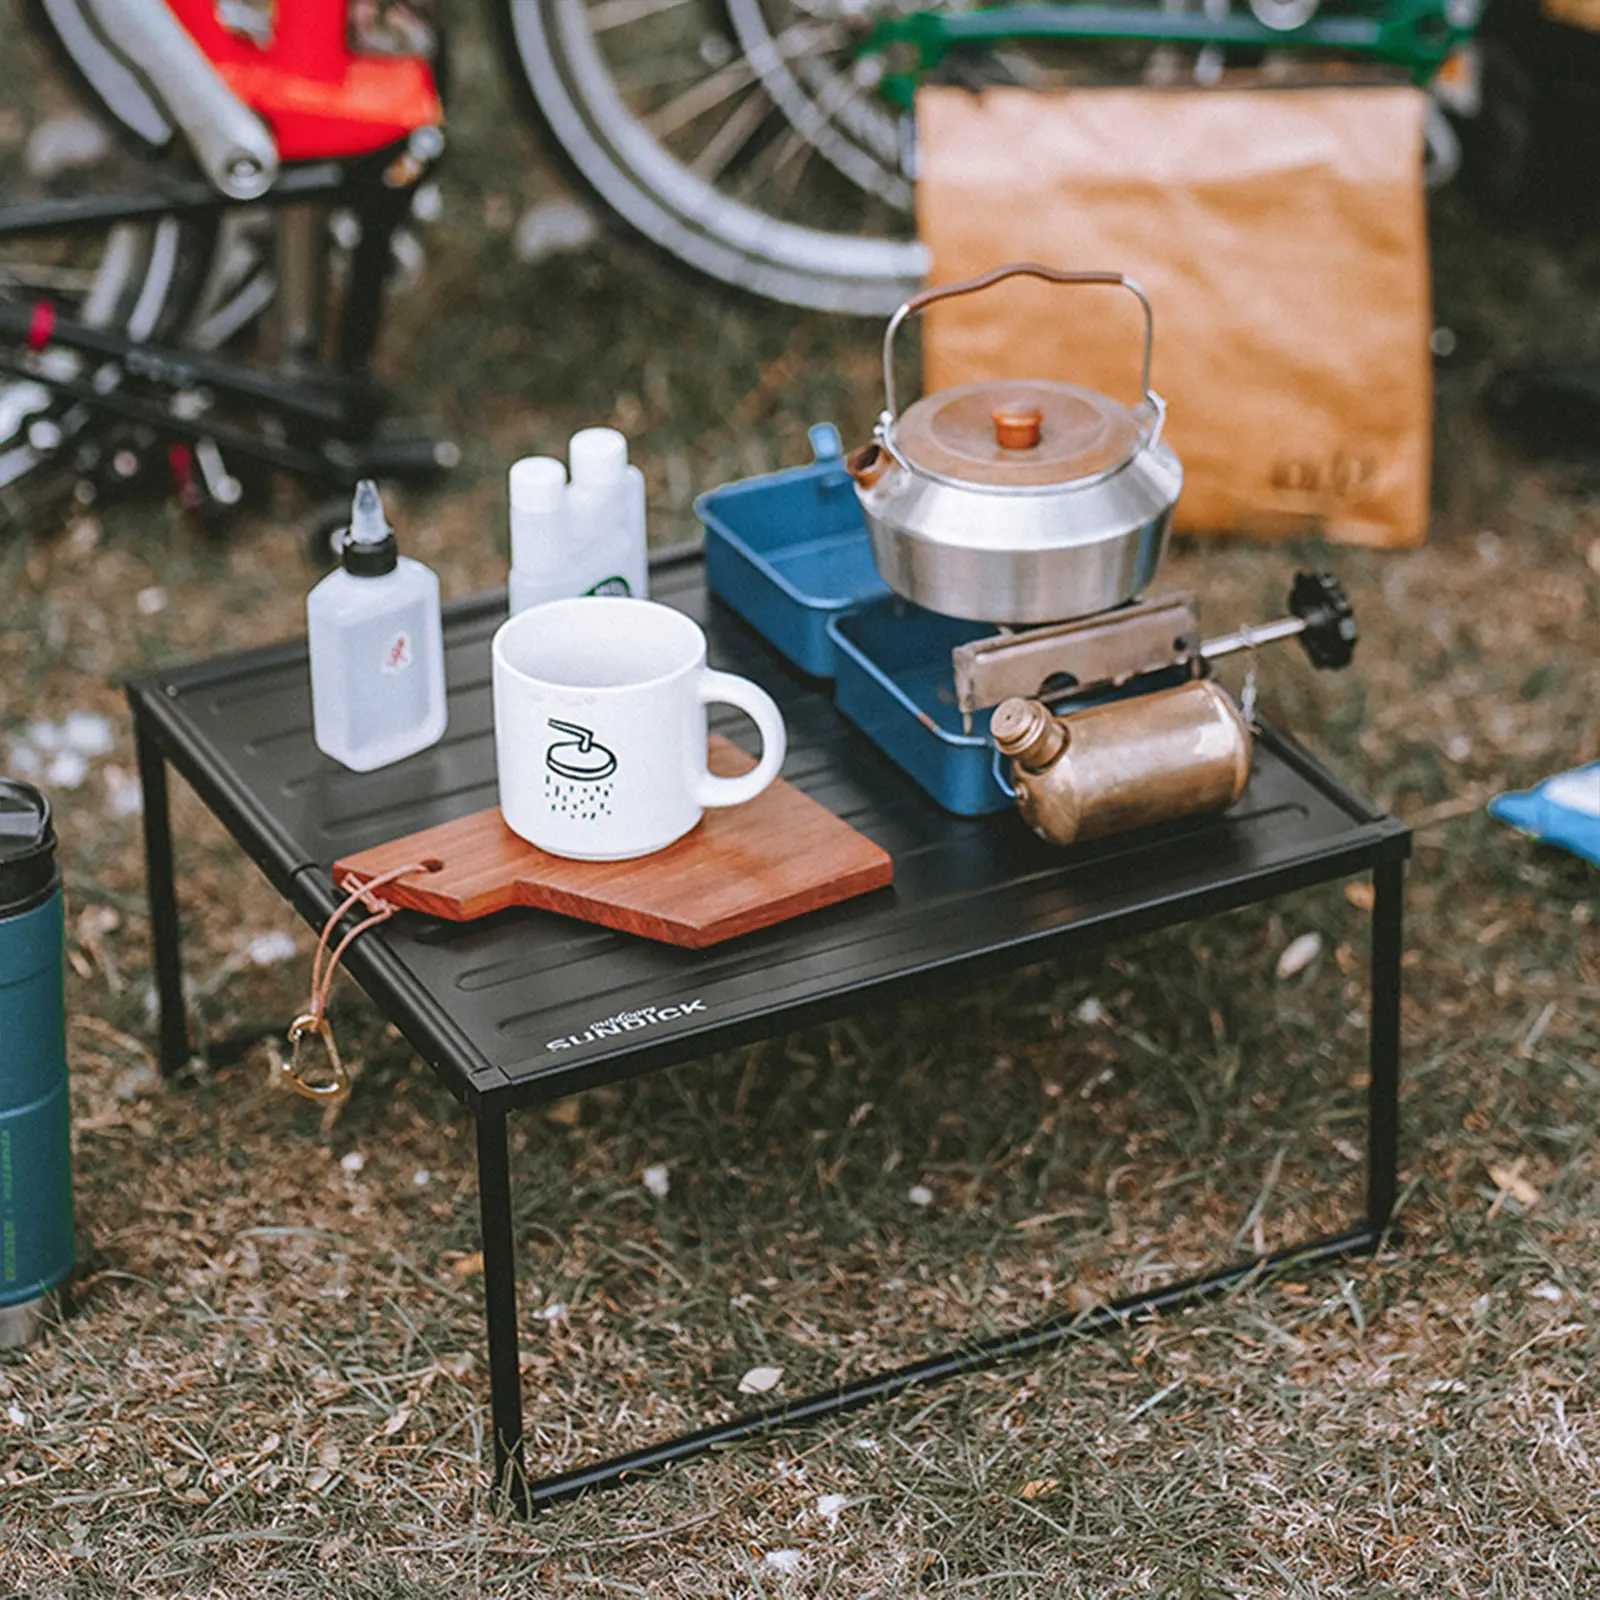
(1280, 235)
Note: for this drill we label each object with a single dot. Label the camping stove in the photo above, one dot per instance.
(1032, 501)
(1090, 656)
(1112, 721)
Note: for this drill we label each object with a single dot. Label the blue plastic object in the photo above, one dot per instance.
(789, 552)
(36, 1243)
(1563, 810)
(892, 679)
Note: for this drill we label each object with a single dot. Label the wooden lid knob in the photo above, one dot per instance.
(1016, 427)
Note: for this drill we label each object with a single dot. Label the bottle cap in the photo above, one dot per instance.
(599, 457)
(537, 484)
(368, 549)
(27, 847)
(368, 524)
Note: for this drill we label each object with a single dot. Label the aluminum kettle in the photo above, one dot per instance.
(1018, 501)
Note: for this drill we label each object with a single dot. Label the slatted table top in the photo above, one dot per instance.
(528, 1005)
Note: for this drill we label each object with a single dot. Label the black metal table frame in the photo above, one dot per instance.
(309, 891)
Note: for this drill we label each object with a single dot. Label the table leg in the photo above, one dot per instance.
(1383, 1092)
(500, 1308)
(166, 934)
(1383, 1114)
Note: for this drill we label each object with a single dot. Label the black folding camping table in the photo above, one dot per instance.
(505, 1010)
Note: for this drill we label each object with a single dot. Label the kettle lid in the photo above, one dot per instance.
(1027, 434)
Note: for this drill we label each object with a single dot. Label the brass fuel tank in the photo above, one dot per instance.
(1130, 763)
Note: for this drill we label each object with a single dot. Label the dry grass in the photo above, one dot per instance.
(270, 1380)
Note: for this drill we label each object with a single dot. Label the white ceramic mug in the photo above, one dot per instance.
(600, 727)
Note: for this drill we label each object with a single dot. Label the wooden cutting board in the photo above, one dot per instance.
(744, 867)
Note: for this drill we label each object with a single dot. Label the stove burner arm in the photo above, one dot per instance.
(1068, 661)
(1322, 618)
(1251, 638)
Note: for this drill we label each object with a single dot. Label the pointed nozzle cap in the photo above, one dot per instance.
(368, 524)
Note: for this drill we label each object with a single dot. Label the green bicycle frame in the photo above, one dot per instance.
(1415, 35)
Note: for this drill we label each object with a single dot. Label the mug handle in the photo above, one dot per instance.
(724, 688)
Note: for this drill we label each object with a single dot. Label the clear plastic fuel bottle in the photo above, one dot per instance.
(377, 647)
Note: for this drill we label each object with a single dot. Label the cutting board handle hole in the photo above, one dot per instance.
(432, 864)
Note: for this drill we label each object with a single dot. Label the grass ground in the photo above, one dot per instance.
(271, 1383)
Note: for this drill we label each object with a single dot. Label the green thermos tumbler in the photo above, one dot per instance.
(35, 1153)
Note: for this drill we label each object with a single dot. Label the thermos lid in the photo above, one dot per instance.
(27, 847)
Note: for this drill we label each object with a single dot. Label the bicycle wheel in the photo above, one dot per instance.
(741, 136)
(747, 137)
(147, 280)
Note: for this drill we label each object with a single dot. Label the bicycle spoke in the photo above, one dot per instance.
(742, 125)
(1021, 69)
(838, 91)
(35, 276)
(773, 160)
(660, 73)
(620, 13)
(796, 163)
(727, 81)
(798, 39)
(694, 103)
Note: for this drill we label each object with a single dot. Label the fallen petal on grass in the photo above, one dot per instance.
(1298, 955)
(270, 949)
(1509, 1181)
(829, 1506)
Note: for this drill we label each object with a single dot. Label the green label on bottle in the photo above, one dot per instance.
(613, 585)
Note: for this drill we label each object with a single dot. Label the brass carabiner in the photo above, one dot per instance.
(312, 1024)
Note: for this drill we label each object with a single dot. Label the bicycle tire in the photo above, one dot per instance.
(671, 207)
(148, 282)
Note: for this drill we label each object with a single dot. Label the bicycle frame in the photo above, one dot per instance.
(362, 133)
(1415, 35)
(319, 97)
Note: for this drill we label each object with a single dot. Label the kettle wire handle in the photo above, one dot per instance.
(1016, 269)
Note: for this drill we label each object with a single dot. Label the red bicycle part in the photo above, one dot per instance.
(320, 98)
(180, 463)
(41, 324)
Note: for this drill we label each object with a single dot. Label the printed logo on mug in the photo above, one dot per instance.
(577, 780)
(600, 727)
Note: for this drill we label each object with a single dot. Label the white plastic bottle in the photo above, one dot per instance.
(606, 506)
(377, 647)
(542, 554)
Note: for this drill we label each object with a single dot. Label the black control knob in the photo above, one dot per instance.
(1330, 635)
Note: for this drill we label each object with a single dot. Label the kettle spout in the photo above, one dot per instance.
(867, 464)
